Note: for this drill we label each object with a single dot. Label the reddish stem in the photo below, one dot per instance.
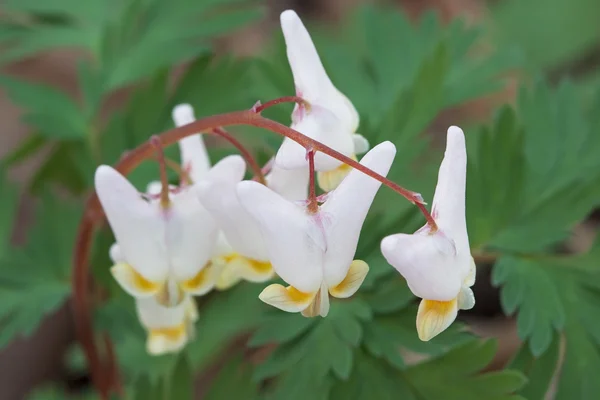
(162, 164)
(286, 99)
(313, 205)
(244, 152)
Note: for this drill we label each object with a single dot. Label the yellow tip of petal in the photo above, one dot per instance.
(166, 340)
(204, 280)
(132, 282)
(354, 278)
(329, 180)
(238, 267)
(287, 299)
(434, 317)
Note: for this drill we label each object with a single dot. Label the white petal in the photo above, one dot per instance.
(153, 315)
(470, 279)
(138, 226)
(191, 234)
(346, 208)
(434, 317)
(240, 228)
(310, 78)
(291, 184)
(193, 151)
(449, 200)
(427, 262)
(352, 281)
(133, 283)
(323, 126)
(154, 188)
(466, 298)
(295, 247)
(115, 253)
(361, 144)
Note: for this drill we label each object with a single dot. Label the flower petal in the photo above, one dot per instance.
(434, 317)
(319, 305)
(355, 277)
(310, 78)
(236, 268)
(427, 262)
(361, 144)
(203, 282)
(292, 184)
(470, 279)
(287, 299)
(153, 315)
(115, 253)
(191, 234)
(345, 211)
(323, 126)
(134, 283)
(138, 226)
(466, 298)
(294, 243)
(449, 200)
(194, 156)
(240, 228)
(329, 180)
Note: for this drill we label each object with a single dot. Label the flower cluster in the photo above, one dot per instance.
(215, 229)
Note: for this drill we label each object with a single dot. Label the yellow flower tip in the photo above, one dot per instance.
(237, 267)
(329, 180)
(133, 282)
(287, 299)
(166, 340)
(434, 317)
(352, 281)
(203, 281)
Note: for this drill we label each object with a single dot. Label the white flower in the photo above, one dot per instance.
(438, 266)
(242, 254)
(194, 157)
(314, 253)
(331, 118)
(164, 249)
(168, 328)
(292, 184)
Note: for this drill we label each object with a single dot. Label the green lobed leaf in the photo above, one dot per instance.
(8, 212)
(34, 279)
(538, 370)
(234, 381)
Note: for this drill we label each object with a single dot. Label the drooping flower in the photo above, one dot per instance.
(242, 254)
(330, 119)
(438, 265)
(164, 249)
(292, 184)
(314, 252)
(168, 328)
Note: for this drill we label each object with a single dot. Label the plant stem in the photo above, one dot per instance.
(313, 205)
(286, 99)
(250, 160)
(160, 155)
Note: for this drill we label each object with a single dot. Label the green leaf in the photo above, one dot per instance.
(8, 212)
(34, 279)
(51, 112)
(538, 370)
(316, 353)
(181, 384)
(455, 375)
(531, 286)
(234, 381)
(27, 148)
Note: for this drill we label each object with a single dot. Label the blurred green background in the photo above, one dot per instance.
(84, 81)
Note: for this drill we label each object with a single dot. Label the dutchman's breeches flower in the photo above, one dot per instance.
(438, 265)
(329, 118)
(243, 256)
(313, 252)
(164, 247)
(168, 328)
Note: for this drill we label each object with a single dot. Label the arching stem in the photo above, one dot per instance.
(313, 205)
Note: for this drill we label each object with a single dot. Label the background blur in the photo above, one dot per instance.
(550, 38)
